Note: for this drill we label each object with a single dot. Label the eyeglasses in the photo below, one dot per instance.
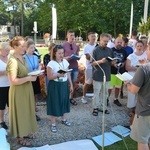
(71, 48)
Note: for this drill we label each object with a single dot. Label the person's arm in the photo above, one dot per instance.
(51, 75)
(132, 88)
(129, 67)
(101, 61)
(70, 82)
(14, 80)
(3, 73)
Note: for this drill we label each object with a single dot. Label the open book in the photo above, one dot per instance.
(124, 77)
(64, 70)
(73, 56)
(35, 72)
(111, 59)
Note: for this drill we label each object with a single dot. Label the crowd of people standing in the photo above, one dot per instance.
(18, 90)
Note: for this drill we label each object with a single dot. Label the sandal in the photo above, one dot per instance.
(106, 111)
(95, 112)
(23, 142)
(30, 136)
(73, 102)
(65, 122)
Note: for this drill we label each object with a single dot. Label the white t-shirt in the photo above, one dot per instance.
(4, 82)
(135, 60)
(132, 43)
(55, 66)
(88, 49)
(110, 44)
(3, 142)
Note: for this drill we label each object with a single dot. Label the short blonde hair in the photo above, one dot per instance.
(4, 46)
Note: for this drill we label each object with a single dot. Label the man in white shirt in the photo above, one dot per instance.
(110, 44)
(133, 40)
(88, 49)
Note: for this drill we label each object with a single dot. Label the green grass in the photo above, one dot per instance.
(43, 51)
(127, 144)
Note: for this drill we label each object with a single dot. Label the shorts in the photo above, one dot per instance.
(4, 92)
(115, 82)
(88, 76)
(140, 131)
(36, 86)
(74, 74)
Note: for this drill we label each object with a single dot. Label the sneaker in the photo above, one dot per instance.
(117, 102)
(53, 129)
(84, 100)
(38, 118)
(3, 125)
(66, 123)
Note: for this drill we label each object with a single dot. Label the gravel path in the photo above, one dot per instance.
(84, 124)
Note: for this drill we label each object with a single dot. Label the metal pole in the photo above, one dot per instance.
(131, 19)
(22, 17)
(103, 117)
(146, 10)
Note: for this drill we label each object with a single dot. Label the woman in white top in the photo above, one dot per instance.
(134, 60)
(4, 82)
(58, 102)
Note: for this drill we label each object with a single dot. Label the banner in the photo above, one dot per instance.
(54, 22)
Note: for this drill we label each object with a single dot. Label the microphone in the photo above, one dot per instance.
(103, 100)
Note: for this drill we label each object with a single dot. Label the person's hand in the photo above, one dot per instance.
(71, 88)
(32, 78)
(60, 75)
(103, 60)
(68, 58)
(142, 61)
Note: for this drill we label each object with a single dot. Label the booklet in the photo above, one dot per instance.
(73, 56)
(111, 59)
(124, 77)
(35, 72)
(64, 70)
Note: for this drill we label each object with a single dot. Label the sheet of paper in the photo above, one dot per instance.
(45, 147)
(109, 139)
(121, 130)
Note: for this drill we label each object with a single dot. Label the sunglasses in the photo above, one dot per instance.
(71, 48)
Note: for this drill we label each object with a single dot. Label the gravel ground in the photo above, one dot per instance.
(84, 124)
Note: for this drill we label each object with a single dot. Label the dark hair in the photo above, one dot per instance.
(16, 41)
(104, 35)
(134, 33)
(125, 39)
(54, 50)
(50, 46)
(70, 31)
(29, 42)
(139, 41)
(91, 33)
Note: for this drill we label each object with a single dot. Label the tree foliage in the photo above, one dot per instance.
(111, 16)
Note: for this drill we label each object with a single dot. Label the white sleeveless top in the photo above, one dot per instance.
(4, 82)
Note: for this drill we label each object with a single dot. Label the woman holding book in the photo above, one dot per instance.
(133, 61)
(58, 90)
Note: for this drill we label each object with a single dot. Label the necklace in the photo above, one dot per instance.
(61, 66)
(32, 62)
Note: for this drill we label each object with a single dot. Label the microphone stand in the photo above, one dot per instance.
(103, 101)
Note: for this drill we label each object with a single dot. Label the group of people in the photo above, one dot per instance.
(18, 90)
(135, 61)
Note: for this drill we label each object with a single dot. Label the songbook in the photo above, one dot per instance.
(111, 59)
(35, 72)
(124, 77)
(76, 57)
(64, 70)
